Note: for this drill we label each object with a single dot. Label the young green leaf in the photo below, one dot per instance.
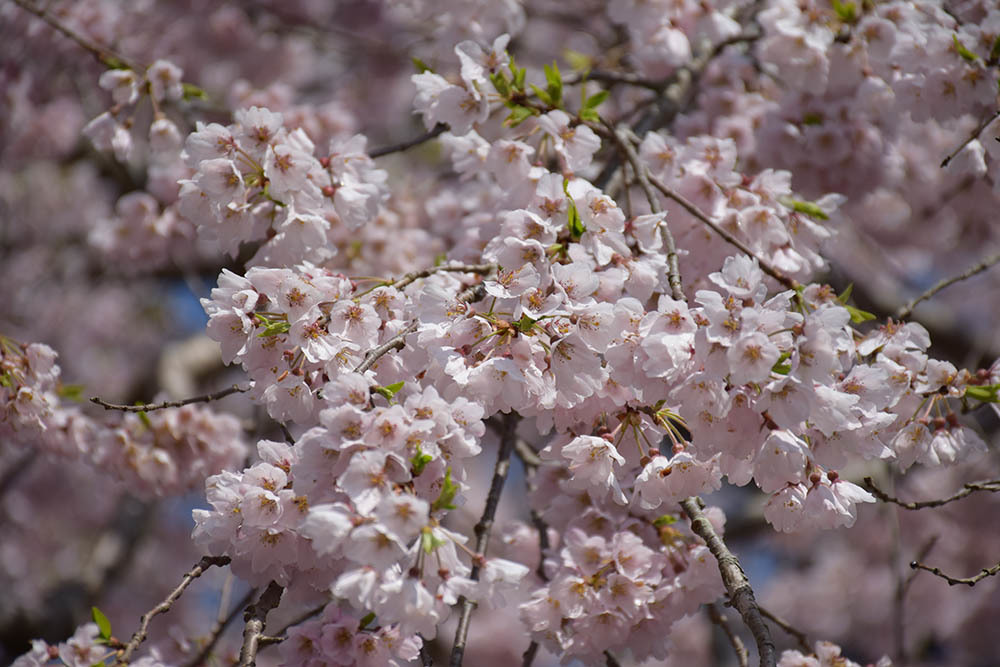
(448, 491)
(555, 86)
(419, 461)
(517, 115)
(543, 95)
(809, 208)
(987, 393)
(420, 65)
(103, 624)
(966, 54)
(857, 315)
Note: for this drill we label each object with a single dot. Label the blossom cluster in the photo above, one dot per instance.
(625, 291)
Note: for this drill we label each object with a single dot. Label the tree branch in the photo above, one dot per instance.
(765, 266)
(718, 619)
(975, 133)
(624, 141)
(993, 486)
(737, 585)
(952, 581)
(104, 55)
(801, 637)
(143, 631)
(436, 131)
(255, 619)
(907, 310)
(149, 407)
(508, 437)
(218, 629)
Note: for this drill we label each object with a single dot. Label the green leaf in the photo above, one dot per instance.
(665, 520)
(846, 11)
(144, 418)
(448, 491)
(6, 380)
(590, 115)
(273, 327)
(554, 80)
(987, 393)
(500, 83)
(857, 315)
(517, 115)
(390, 390)
(812, 118)
(966, 54)
(193, 92)
(366, 620)
(525, 324)
(519, 73)
(419, 461)
(103, 624)
(71, 392)
(780, 367)
(543, 95)
(420, 65)
(596, 99)
(578, 61)
(429, 543)
(576, 228)
(846, 294)
(995, 50)
(809, 208)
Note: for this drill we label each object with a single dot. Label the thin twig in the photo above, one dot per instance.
(801, 637)
(482, 269)
(255, 618)
(993, 486)
(610, 660)
(975, 133)
(718, 619)
(623, 140)
(735, 580)
(952, 581)
(529, 654)
(143, 631)
(436, 131)
(765, 266)
(217, 630)
(907, 310)
(508, 437)
(104, 55)
(149, 407)
(397, 342)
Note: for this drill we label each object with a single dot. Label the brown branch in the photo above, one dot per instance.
(801, 637)
(149, 407)
(255, 618)
(952, 581)
(397, 342)
(735, 580)
(143, 631)
(765, 266)
(469, 295)
(104, 55)
(975, 133)
(482, 269)
(624, 141)
(529, 654)
(218, 629)
(436, 131)
(907, 310)
(508, 437)
(993, 486)
(718, 619)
